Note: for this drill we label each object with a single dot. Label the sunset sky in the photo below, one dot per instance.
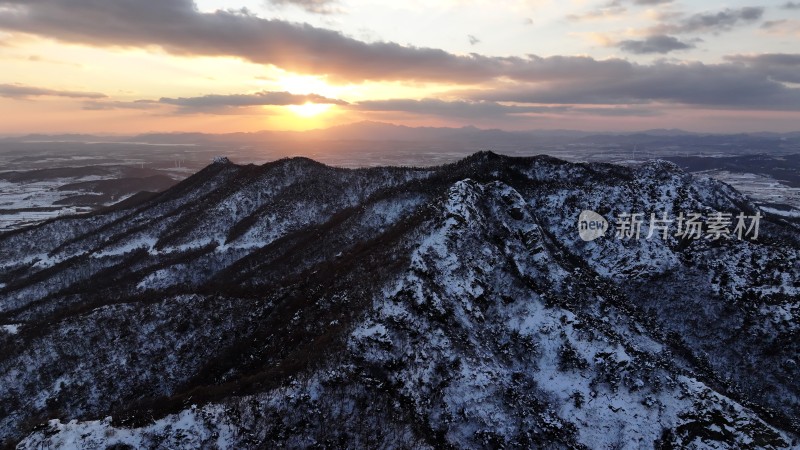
(130, 66)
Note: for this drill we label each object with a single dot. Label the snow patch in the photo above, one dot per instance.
(12, 328)
(191, 428)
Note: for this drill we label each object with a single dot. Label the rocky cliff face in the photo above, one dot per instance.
(299, 305)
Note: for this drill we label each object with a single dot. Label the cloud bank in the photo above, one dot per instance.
(714, 22)
(19, 91)
(264, 98)
(659, 43)
(178, 27)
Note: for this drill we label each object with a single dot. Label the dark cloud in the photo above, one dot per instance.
(216, 103)
(312, 6)
(790, 5)
(783, 67)
(21, 91)
(721, 86)
(714, 22)
(659, 43)
(179, 28)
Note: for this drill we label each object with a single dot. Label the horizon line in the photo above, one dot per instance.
(396, 125)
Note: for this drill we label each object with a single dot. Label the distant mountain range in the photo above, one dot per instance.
(369, 144)
(298, 305)
(369, 130)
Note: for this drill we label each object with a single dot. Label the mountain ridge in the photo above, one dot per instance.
(459, 298)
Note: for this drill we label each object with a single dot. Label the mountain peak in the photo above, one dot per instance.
(486, 155)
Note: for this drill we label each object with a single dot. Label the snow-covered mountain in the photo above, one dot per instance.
(299, 305)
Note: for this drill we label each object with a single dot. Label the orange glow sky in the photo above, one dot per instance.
(120, 66)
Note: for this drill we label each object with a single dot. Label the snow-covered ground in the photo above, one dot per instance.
(27, 203)
(762, 189)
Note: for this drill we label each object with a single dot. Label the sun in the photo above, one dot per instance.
(309, 109)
